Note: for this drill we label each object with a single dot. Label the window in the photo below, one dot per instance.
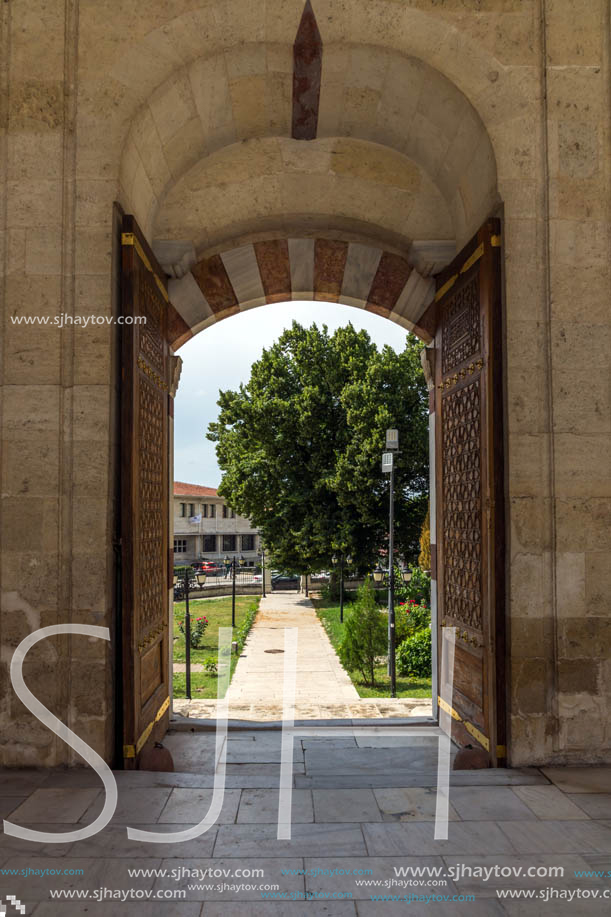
(225, 511)
(248, 542)
(180, 545)
(183, 510)
(212, 510)
(229, 542)
(191, 509)
(209, 544)
(232, 514)
(205, 510)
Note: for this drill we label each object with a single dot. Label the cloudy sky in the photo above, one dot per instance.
(221, 357)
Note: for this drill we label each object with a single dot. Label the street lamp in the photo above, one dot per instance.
(262, 556)
(201, 579)
(335, 560)
(407, 575)
(388, 467)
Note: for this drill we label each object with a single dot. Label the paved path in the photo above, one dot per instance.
(324, 690)
(258, 676)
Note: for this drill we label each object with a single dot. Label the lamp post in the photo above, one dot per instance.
(201, 579)
(335, 559)
(379, 575)
(388, 467)
(262, 555)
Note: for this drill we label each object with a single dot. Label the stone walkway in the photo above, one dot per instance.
(359, 803)
(323, 688)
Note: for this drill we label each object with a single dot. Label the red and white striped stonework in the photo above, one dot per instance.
(330, 270)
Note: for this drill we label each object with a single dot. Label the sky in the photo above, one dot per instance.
(220, 358)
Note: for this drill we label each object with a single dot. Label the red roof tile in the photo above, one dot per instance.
(193, 490)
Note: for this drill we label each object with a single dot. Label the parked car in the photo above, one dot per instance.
(321, 575)
(209, 567)
(285, 581)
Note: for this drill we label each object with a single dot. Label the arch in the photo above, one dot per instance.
(328, 267)
(374, 94)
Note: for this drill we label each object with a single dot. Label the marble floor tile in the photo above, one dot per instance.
(223, 885)
(260, 806)
(280, 909)
(548, 802)
(8, 804)
(355, 805)
(262, 769)
(120, 909)
(55, 805)
(469, 881)
(15, 846)
(186, 806)
(134, 806)
(558, 836)
(478, 908)
(488, 803)
(410, 804)
(580, 779)
(192, 752)
(361, 761)
(416, 839)
(306, 840)
(97, 873)
(336, 874)
(114, 842)
(596, 805)
(14, 782)
(556, 907)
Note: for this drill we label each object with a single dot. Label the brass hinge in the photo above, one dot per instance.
(129, 751)
(495, 241)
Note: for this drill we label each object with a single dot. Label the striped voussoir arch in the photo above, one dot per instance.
(277, 270)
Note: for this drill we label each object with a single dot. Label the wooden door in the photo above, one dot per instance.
(470, 487)
(145, 380)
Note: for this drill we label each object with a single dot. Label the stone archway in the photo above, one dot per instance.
(394, 173)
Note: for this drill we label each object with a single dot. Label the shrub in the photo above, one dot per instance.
(419, 588)
(365, 634)
(198, 628)
(244, 628)
(211, 665)
(409, 618)
(414, 655)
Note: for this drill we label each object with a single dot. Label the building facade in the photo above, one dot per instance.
(205, 528)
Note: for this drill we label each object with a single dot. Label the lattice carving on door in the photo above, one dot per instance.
(461, 326)
(462, 536)
(151, 338)
(151, 548)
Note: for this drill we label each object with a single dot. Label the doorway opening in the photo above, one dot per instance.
(246, 573)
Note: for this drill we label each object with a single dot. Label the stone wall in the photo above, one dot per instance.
(100, 104)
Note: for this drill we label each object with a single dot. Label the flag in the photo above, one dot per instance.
(197, 518)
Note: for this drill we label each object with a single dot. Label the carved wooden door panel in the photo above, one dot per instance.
(145, 377)
(470, 487)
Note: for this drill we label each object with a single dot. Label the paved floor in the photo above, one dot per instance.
(323, 688)
(364, 803)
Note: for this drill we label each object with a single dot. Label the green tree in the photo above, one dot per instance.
(300, 446)
(365, 635)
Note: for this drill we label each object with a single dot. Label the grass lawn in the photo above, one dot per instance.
(218, 612)
(328, 612)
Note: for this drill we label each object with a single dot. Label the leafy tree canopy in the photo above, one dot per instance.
(300, 446)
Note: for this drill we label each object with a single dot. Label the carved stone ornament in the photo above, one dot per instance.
(175, 371)
(427, 358)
